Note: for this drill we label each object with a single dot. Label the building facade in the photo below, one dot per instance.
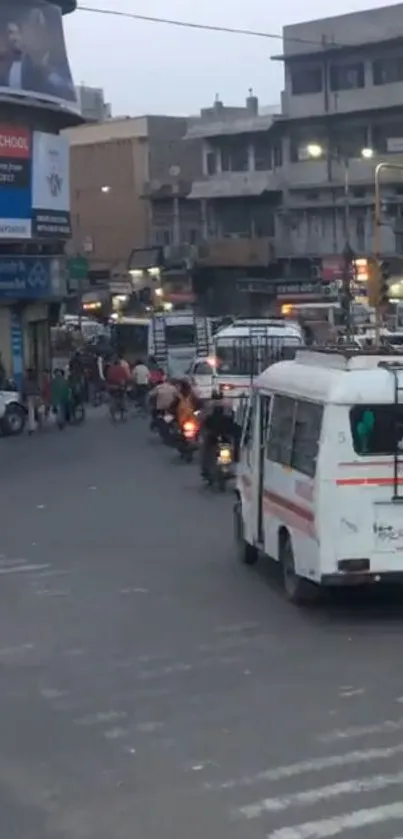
(93, 106)
(282, 195)
(36, 104)
(130, 178)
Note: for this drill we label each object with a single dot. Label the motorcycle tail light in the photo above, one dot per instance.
(189, 429)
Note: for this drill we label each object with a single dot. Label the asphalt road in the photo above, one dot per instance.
(151, 688)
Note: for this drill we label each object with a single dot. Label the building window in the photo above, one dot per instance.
(387, 70)
(194, 236)
(263, 222)
(211, 163)
(305, 80)
(235, 158)
(166, 237)
(360, 232)
(347, 76)
(277, 155)
(263, 155)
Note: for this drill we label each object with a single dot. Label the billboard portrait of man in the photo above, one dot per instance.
(33, 55)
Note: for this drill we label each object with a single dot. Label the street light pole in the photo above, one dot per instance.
(348, 253)
(377, 229)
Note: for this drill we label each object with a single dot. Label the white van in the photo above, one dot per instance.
(246, 347)
(320, 472)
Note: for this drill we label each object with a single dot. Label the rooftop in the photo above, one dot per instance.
(350, 32)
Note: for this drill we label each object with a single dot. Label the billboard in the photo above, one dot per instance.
(15, 182)
(50, 186)
(32, 278)
(33, 56)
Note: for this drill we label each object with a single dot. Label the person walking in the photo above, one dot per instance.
(61, 398)
(31, 393)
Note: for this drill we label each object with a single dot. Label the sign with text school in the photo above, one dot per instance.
(33, 55)
(15, 182)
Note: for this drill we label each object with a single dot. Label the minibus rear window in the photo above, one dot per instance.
(377, 429)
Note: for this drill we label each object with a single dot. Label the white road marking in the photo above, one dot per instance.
(313, 796)
(346, 693)
(101, 717)
(5, 652)
(384, 727)
(346, 821)
(19, 569)
(315, 764)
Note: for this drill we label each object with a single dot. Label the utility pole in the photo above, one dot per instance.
(348, 255)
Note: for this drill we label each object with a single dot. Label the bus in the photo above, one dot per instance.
(171, 339)
(130, 336)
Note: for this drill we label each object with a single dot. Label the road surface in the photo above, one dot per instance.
(152, 688)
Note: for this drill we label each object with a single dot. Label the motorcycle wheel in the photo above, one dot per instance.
(221, 482)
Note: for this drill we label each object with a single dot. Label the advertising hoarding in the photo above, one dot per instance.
(32, 278)
(50, 186)
(15, 182)
(33, 55)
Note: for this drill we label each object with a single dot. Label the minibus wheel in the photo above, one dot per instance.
(297, 590)
(247, 553)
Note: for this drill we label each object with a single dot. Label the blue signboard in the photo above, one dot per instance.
(32, 278)
(17, 349)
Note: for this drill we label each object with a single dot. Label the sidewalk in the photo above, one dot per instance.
(49, 425)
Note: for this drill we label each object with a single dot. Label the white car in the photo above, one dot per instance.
(200, 373)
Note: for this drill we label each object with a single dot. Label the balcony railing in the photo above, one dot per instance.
(236, 253)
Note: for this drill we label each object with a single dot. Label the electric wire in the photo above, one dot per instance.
(206, 27)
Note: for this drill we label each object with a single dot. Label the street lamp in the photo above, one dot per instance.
(316, 151)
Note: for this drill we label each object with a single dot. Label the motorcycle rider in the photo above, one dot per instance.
(217, 424)
(118, 378)
(162, 399)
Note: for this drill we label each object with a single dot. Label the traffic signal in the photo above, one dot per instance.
(378, 283)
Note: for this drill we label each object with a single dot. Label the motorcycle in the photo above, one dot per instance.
(189, 438)
(221, 469)
(165, 424)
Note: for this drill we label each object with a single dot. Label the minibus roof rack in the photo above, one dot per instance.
(351, 350)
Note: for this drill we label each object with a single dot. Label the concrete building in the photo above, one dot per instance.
(310, 170)
(92, 104)
(130, 178)
(34, 190)
(240, 197)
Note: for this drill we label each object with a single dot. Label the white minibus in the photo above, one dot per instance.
(320, 473)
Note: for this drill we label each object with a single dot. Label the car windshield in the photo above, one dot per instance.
(243, 358)
(377, 429)
(180, 335)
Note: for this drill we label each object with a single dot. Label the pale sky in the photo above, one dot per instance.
(154, 68)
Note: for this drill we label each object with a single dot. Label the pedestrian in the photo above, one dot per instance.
(46, 392)
(61, 398)
(31, 393)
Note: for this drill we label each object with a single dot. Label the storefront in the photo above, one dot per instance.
(31, 291)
